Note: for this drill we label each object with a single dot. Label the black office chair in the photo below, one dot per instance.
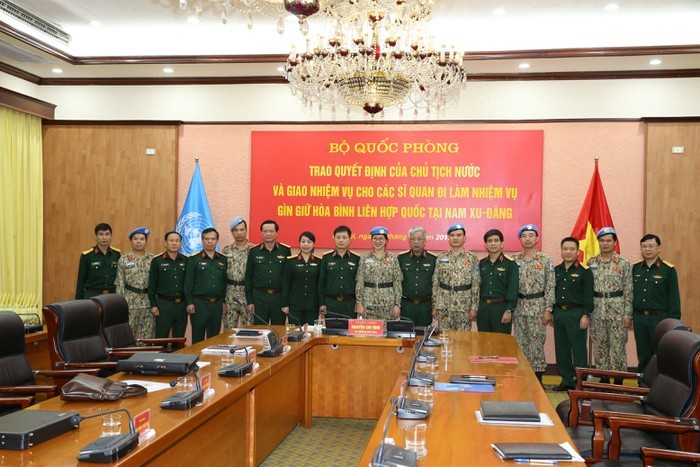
(673, 395)
(646, 379)
(116, 330)
(18, 388)
(75, 337)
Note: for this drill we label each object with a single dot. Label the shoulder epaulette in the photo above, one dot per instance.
(403, 252)
(292, 256)
(584, 266)
(509, 258)
(194, 254)
(89, 250)
(161, 253)
(116, 249)
(431, 253)
(668, 264)
(328, 252)
(284, 244)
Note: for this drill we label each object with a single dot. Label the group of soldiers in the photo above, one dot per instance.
(267, 284)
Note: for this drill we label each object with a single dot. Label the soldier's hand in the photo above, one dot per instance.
(322, 311)
(154, 311)
(626, 322)
(224, 310)
(396, 311)
(584, 323)
(473, 314)
(285, 310)
(507, 317)
(190, 309)
(548, 319)
(251, 308)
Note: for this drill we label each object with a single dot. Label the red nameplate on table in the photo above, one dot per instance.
(366, 327)
(142, 422)
(491, 359)
(205, 382)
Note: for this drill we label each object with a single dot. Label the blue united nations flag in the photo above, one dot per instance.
(195, 215)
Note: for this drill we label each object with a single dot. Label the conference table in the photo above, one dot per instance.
(322, 376)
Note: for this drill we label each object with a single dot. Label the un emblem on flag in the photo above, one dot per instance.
(190, 226)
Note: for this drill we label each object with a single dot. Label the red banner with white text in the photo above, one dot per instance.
(319, 180)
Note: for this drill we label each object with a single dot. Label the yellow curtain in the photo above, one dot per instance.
(21, 220)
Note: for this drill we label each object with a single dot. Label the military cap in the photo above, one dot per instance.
(456, 226)
(139, 230)
(236, 220)
(379, 230)
(526, 227)
(606, 231)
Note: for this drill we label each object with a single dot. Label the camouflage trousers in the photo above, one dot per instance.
(454, 320)
(530, 334)
(379, 312)
(142, 323)
(236, 309)
(609, 340)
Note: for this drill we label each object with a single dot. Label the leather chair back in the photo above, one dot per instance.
(14, 366)
(115, 320)
(651, 371)
(75, 332)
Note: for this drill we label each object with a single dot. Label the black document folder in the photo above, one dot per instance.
(532, 451)
(472, 379)
(507, 411)
(152, 363)
(27, 428)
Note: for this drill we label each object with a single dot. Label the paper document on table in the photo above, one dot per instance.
(491, 359)
(150, 386)
(544, 421)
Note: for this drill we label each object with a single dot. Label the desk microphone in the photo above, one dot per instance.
(401, 327)
(237, 369)
(390, 455)
(295, 336)
(186, 399)
(337, 315)
(273, 340)
(108, 448)
(428, 341)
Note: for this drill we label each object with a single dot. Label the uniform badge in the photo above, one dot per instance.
(230, 255)
(537, 266)
(501, 269)
(313, 264)
(130, 265)
(95, 263)
(369, 260)
(219, 263)
(444, 260)
(617, 269)
(280, 257)
(351, 264)
(658, 277)
(593, 266)
(331, 263)
(575, 275)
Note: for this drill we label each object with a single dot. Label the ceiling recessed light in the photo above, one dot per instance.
(193, 20)
(95, 24)
(612, 7)
(56, 70)
(499, 12)
(524, 66)
(655, 61)
(168, 70)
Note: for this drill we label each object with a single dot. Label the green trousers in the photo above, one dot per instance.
(490, 316)
(302, 316)
(644, 327)
(268, 307)
(206, 320)
(420, 313)
(171, 315)
(569, 344)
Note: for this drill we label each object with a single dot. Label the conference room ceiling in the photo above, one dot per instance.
(558, 39)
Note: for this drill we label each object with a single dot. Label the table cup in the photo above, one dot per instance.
(446, 348)
(111, 424)
(425, 394)
(415, 437)
(228, 359)
(318, 327)
(186, 383)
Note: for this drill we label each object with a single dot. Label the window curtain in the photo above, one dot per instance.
(21, 218)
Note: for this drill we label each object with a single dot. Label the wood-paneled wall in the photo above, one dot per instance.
(672, 200)
(101, 173)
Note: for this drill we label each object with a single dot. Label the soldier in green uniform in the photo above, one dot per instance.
(336, 281)
(300, 284)
(132, 282)
(263, 276)
(535, 298)
(656, 296)
(417, 266)
(237, 254)
(205, 287)
(498, 296)
(573, 307)
(612, 304)
(456, 283)
(166, 288)
(378, 280)
(98, 266)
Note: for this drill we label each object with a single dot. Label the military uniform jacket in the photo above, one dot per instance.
(612, 275)
(265, 268)
(97, 270)
(536, 275)
(656, 288)
(167, 277)
(337, 276)
(205, 276)
(132, 271)
(574, 287)
(459, 270)
(499, 280)
(300, 284)
(417, 273)
(379, 281)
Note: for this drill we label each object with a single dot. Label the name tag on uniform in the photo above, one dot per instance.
(95, 263)
(313, 264)
(230, 255)
(130, 265)
(593, 266)
(444, 260)
(369, 260)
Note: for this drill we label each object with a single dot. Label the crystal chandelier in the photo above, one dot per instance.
(384, 63)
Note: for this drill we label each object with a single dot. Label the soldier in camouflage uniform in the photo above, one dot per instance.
(535, 298)
(612, 303)
(98, 266)
(378, 287)
(132, 282)
(237, 254)
(456, 283)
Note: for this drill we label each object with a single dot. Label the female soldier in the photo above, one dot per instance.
(379, 277)
(300, 283)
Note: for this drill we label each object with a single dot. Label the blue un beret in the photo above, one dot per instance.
(456, 226)
(527, 227)
(605, 231)
(235, 222)
(139, 230)
(379, 230)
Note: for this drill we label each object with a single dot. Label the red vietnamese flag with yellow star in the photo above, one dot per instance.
(594, 215)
